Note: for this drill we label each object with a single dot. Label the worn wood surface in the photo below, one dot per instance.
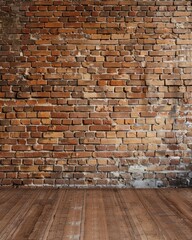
(93, 214)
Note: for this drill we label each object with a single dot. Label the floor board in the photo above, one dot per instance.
(95, 214)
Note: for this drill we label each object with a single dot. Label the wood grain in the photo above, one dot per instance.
(95, 214)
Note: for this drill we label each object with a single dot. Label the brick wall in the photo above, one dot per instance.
(96, 93)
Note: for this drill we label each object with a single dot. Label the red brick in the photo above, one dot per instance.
(43, 108)
(148, 114)
(173, 95)
(54, 25)
(88, 90)
(35, 25)
(40, 94)
(53, 135)
(59, 115)
(60, 94)
(16, 129)
(100, 128)
(112, 65)
(6, 154)
(107, 168)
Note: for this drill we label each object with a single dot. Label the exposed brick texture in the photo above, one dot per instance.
(96, 93)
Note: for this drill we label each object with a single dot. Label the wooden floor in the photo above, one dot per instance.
(95, 214)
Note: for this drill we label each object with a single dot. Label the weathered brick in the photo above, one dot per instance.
(53, 135)
(54, 25)
(46, 168)
(59, 115)
(43, 108)
(44, 114)
(16, 129)
(108, 168)
(85, 168)
(88, 91)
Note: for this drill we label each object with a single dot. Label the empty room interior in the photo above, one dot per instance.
(95, 119)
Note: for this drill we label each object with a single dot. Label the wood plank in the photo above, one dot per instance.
(179, 204)
(5, 195)
(37, 217)
(95, 226)
(14, 217)
(7, 202)
(67, 220)
(94, 214)
(171, 224)
(48, 216)
(117, 227)
(142, 224)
